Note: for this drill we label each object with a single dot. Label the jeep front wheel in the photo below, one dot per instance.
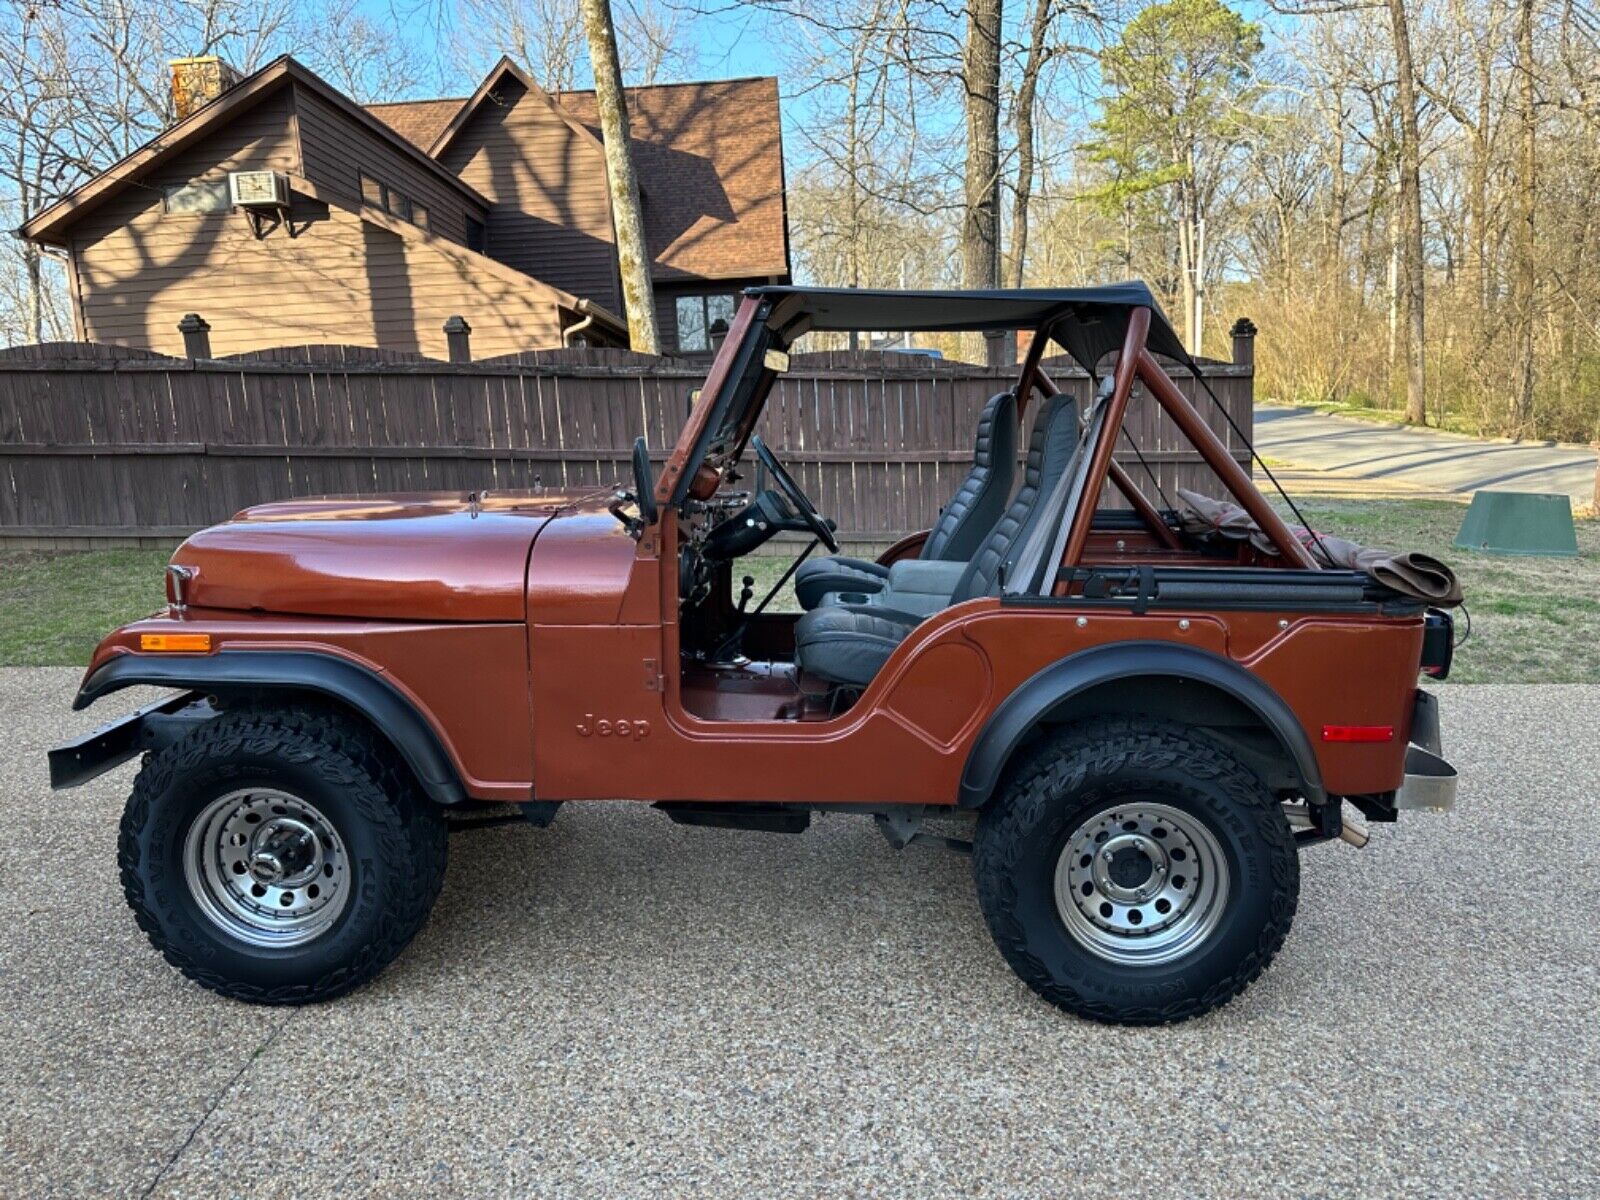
(1136, 872)
(278, 857)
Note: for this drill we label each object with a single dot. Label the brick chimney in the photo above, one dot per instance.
(198, 81)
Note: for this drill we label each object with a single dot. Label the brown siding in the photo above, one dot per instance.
(338, 279)
(337, 149)
(342, 279)
(550, 214)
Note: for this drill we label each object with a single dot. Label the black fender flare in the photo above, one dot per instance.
(1061, 680)
(350, 683)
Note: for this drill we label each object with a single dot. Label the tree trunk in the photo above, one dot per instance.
(633, 256)
(1339, 202)
(1043, 11)
(980, 233)
(1396, 301)
(1527, 182)
(1411, 251)
(35, 269)
(1191, 267)
(1186, 240)
(1483, 130)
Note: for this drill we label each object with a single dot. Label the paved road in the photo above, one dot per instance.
(619, 1007)
(1421, 457)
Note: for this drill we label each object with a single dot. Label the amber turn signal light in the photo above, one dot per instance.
(171, 643)
(1358, 733)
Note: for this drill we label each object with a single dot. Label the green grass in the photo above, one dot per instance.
(55, 606)
(1534, 620)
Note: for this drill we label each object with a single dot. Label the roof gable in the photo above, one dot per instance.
(709, 159)
(52, 222)
(496, 77)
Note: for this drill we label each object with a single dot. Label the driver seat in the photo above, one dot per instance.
(963, 523)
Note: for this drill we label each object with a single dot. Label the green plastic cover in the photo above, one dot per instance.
(1519, 523)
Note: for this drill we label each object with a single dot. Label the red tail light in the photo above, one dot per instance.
(1358, 733)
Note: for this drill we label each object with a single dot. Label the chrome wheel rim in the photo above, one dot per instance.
(1141, 884)
(266, 867)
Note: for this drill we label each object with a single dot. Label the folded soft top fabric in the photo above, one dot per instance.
(1407, 572)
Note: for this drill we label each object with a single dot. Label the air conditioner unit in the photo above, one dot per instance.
(258, 189)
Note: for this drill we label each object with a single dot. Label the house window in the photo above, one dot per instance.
(696, 316)
(477, 236)
(380, 195)
(200, 196)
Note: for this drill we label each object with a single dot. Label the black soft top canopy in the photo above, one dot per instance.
(1088, 322)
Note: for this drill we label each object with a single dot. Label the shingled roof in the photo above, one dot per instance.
(709, 158)
(418, 121)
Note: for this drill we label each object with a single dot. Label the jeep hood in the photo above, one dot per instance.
(419, 556)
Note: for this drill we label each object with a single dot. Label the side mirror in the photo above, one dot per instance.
(644, 482)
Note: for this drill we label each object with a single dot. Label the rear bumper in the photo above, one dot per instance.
(1430, 782)
(1429, 785)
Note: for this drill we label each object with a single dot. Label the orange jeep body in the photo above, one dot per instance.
(1145, 724)
(534, 642)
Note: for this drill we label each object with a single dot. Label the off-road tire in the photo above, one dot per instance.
(1075, 773)
(395, 835)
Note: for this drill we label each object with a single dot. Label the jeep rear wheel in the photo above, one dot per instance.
(277, 857)
(1136, 872)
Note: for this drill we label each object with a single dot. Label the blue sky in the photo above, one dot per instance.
(731, 39)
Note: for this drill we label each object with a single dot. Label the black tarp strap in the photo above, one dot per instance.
(1147, 589)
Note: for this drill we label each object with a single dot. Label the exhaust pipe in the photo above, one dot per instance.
(1353, 833)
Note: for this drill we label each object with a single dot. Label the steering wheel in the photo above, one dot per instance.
(791, 490)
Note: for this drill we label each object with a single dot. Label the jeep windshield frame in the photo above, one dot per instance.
(1088, 323)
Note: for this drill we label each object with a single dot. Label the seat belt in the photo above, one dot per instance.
(1064, 500)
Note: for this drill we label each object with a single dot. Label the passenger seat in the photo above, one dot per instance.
(962, 525)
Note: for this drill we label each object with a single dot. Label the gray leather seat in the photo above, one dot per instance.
(848, 643)
(962, 523)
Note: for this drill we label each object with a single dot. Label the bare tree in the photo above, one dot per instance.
(547, 37)
(633, 255)
(362, 57)
(83, 82)
(980, 226)
(544, 36)
(1039, 53)
(1526, 274)
(1413, 263)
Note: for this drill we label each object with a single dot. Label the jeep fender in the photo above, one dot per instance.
(351, 684)
(1050, 688)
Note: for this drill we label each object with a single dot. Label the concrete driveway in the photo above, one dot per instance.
(1421, 458)
(619, 1007)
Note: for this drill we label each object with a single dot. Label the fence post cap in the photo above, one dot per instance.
(193, 323)
(457, 324)
(1243, 327)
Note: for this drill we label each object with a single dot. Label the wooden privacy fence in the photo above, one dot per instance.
(102, 442)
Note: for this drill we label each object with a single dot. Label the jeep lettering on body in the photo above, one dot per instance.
(637, 729)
